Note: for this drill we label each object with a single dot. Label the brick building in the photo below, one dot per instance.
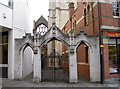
(96, 19)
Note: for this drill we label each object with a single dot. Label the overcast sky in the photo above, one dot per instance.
(38, 8)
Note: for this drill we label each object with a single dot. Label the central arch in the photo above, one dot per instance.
(54, 33)
(54, 38)
(54, 66)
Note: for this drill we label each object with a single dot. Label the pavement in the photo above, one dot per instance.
(27, 83)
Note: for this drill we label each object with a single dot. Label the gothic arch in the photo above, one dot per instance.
(24, 46)
(93, 52)
(88, 45)
(89, 5)
(54, 38)
(85, 42)
(21, 52)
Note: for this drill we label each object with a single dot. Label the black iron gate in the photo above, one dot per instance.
(54, 68)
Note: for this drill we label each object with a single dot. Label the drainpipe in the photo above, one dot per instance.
(100, 43)
(93, 20)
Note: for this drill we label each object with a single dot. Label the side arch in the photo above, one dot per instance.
(85, 42)
(22, 48)
(90, 58)
(21, 53)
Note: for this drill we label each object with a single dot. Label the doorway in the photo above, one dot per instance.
(54, 64)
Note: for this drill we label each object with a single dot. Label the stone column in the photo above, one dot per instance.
(37, 65)
(73, 77)
(37, 60)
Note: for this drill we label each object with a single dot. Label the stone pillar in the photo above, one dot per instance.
(37, 65)
(73, 77)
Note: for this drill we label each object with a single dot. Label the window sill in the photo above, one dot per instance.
(116, 17)
(114, 73)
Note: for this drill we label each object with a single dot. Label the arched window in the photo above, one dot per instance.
(85, 16)
(41, 29)
(88, 15)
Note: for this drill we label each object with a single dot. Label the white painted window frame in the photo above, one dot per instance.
(116, 7)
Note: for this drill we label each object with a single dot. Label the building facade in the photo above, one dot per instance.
(96, 19)
(59, 13)
(14, 23)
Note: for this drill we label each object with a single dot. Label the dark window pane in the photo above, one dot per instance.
(114, 55)
(0, 54)
(4, 48)
(4, 37)
(116, 8)
(5, 54)
(3, 72)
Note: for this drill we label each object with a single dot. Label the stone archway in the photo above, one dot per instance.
(72, 43)
(83, 62)
(52, 69)
(56, 33)
(20, 46)
(93, 48)
(26, 59)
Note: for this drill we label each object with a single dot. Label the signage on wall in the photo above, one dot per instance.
(115, 34)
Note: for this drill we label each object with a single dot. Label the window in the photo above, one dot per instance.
(114, 53)
(87, 15)
(42, 29)
(116, 8)
(4, 47)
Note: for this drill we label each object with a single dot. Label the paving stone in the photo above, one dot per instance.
(25, 83)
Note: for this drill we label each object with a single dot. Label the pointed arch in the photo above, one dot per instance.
(85, 42)
(21, 52)
(24, 46)
(83, 51)
(85, 12)
(54, 38)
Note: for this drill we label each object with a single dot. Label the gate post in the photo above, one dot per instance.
(37, 65)
(73, 77)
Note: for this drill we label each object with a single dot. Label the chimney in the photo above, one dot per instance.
(71, 9)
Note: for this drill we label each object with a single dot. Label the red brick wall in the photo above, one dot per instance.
(81, 54)
(106, 62)
(107, 16)
(83, 69)
(93, 29)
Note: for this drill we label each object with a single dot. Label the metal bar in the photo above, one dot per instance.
(54, 63)
(117, 52)
(101, 43)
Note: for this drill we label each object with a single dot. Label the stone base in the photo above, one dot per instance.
(73, 81)
(36, 80)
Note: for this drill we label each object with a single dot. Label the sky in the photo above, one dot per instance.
(36, 7)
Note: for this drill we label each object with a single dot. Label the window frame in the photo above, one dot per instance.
(113, 66)
(117, 6)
